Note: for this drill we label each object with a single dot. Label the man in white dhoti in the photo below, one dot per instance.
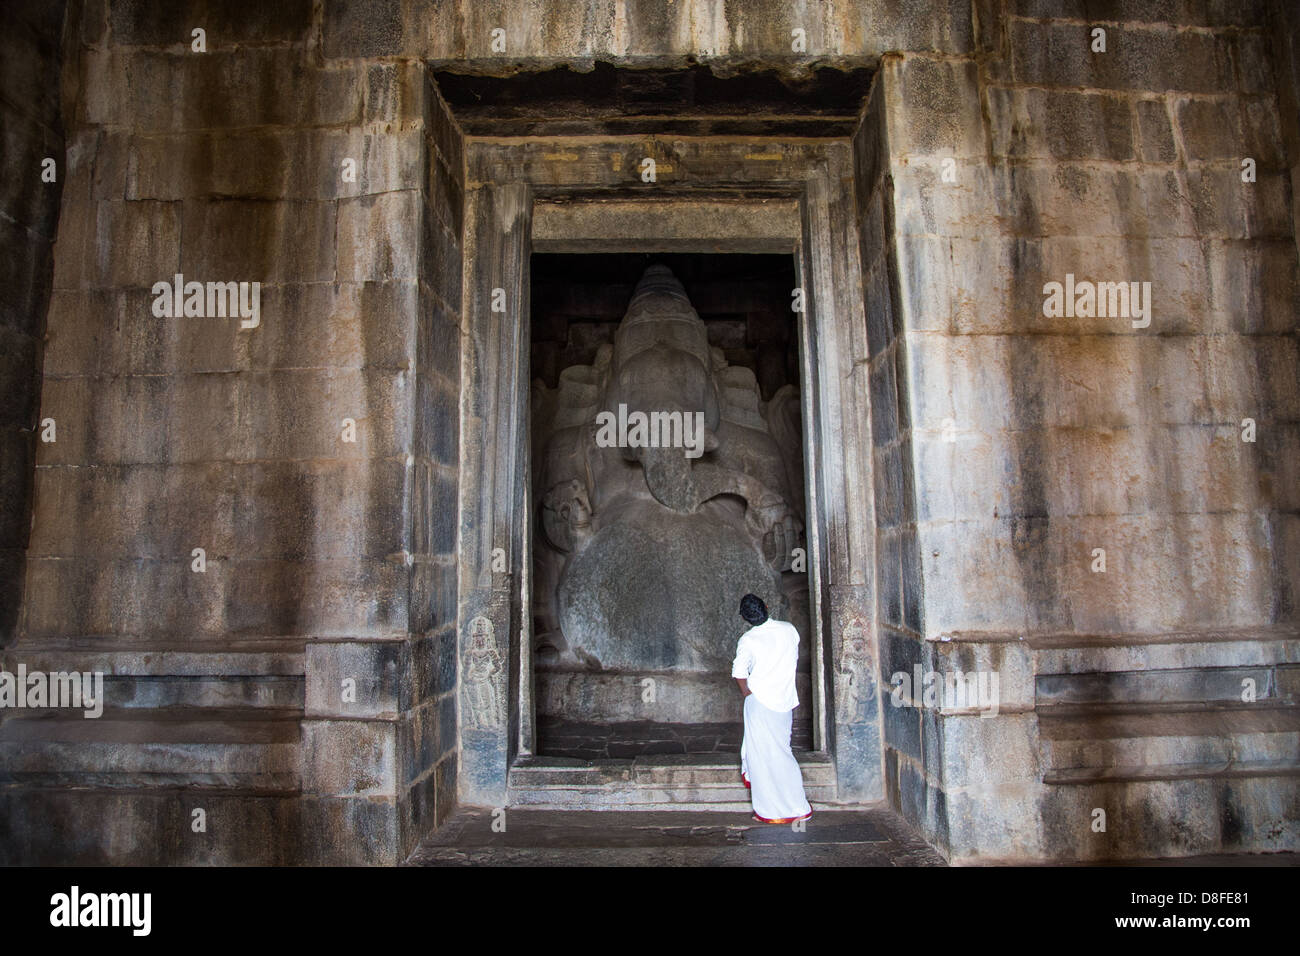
(766, 657)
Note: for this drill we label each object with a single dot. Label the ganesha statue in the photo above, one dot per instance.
(664, 494)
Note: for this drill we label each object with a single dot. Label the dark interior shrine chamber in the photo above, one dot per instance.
(667, 481)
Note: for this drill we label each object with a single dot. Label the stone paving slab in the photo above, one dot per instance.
(872, 837)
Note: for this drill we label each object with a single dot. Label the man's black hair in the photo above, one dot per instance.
(752, 609)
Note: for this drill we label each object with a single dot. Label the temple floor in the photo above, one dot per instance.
(584, 740)
(873, 837)
(860, 837)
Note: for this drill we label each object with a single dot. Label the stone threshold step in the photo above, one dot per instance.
(736, 801)
(602, 801)
(654, 768)
(598, 803)
(1230, 769)
(672, 781)
(661, 760)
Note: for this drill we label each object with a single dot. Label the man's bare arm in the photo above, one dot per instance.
(744, 686)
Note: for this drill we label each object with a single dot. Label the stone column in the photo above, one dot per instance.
(494, 484)
(842, 488)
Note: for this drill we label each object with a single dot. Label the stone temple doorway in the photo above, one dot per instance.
(644, 542)
(746, 212)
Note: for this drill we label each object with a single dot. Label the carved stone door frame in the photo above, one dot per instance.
(580, 194)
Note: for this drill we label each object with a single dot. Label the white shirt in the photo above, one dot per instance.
(766, 656)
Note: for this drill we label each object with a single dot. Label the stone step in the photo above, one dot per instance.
(659, 782)
(1091, 743)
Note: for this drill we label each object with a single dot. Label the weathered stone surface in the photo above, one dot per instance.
(349, 757)
(1174, 12)
(140, 23)
(271, 164)
(373, 30)
(1230, 129)
(1061, 125)
(141, 601)
(254, 830)
(145, 235)
(222, 89)
(1169, 818)
(355, 679)
(1059, 54)
(433, 604)
(374, 237)
(296, 414)
(249, 241)
(1155, 127)
(735, 31)
(938, 107)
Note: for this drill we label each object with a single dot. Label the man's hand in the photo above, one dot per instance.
(744, 686)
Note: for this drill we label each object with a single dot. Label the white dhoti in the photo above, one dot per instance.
(776, 785)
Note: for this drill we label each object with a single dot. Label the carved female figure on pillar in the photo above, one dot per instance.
(483, 664)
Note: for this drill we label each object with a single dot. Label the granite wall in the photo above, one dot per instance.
(292, 678)
(1105, 504)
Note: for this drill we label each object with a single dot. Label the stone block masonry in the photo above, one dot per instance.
(1083, 479)
(249, 500)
